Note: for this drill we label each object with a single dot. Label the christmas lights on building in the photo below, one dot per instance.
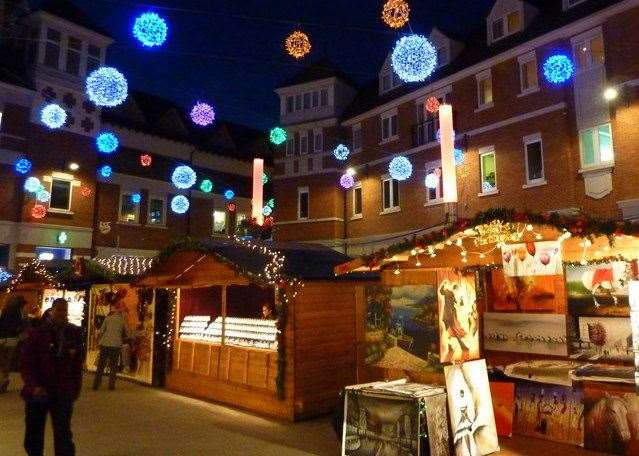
(150, 29)
(32, 184)
(106, 171)
(183, 177)
(53, 116)
(107, 87)
(414, 58)
(278, 136)
(23, 166)
(107, 142)
(202, 114)
(206, 186)
(126, 265)
(298, 44)
(180, 204)
(400, 168)
(341, 152)
(558, 68)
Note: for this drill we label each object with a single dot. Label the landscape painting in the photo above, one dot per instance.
(527, 293)
(549, 412)
(611, 421)
(532, 259)
(543, 334)
(401, 328)
(458, 317)
(604, 338)
(598, 289)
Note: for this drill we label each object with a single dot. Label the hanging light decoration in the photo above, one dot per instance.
(180, 204)
(32, 184)
(136, 198)
(298, 44)
(267, 210)
(206, 186)
(431, 181)
(414, 58)
(558, 68)
(346, 181)
(43, 196)
(86, 191)
(146, 160)
(107, 87)
(4, 275)
(438, 136)
(107, 142)
(202, 114)
(395, 13)
(431, 105)
(400, 168)
(459, 156)
(150, 29)
(341, 152)
(53, 116)
(229, 194)
(106, 171)
(271, 203)
(23, 166)
(183, 177)
(265, 178)
(278, 136)
(38, 211)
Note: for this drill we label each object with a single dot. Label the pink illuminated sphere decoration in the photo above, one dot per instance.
(347, 181)
(202, 114)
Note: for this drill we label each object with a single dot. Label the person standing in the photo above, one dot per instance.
(111, 337)
(13, 323)
(51, 367)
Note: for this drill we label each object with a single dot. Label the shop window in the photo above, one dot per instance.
(528, 76)
(239, 218)
(488, 171)
(589, 52)
(60, 195)
(52, 48)
(157, 211)
(534, 156)
(74, 56)
(484, 90)
(357, 201)
(52, 253)
(596, 146)
(390, 195)
(302, 203)
(219, 222)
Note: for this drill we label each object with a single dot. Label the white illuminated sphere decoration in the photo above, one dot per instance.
(400, 168)
(32, 184)
(180, 204)
(414, 58)
(43, 196)
(107, 87)
(183, 177)
(53, 116)
(341, 152)
(432, 181)
(267, 210)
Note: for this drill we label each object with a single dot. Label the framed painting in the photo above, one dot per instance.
(526, 293)
(599, 289)
(543, 334)
(503, 395)
(532, 258)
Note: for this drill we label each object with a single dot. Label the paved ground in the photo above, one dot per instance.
(140, 421)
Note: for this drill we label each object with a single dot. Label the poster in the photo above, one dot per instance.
(543, 334)
(598, 289)
(470, 407)
(138, 308)
(549, 412)
(555, 372)
(401, 327)
(75, 299)
(604, 338)
(611, 421)
(527, 293)
(503, 394)
(532, 258)
(458, 317)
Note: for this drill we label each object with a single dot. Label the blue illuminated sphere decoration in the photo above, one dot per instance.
(32, 184)
(229, 194)
(150, 29)
(183, 177)
(459, 157)
(558, 68)
(414, 58)
(106, 171)
(106, 86)
(23, 166)
(267, 210)
(136, 198)
(4, 275)
(43, 195)
(53, 116)
(180, 204)
(400, 168)
(341, 152)
(107, 142)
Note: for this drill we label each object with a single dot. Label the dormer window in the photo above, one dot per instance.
(52, 48)
(506, 25)
(74, 56)
(388, 80)
(94, 58)
(442, 56)
(570, 3)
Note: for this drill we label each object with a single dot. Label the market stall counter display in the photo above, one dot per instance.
(75, 299)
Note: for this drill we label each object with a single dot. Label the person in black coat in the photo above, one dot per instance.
(13, 322)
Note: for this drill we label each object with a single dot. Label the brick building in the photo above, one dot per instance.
(46, 57)
(526, 143)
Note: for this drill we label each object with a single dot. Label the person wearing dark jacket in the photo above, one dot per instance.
(51, 368)
(13, 323)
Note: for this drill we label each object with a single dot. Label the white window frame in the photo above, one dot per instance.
(46, 40)
(357, 128)
(57, 209)
(301, 191)
(315, 99)
(485, 75)
(431, 167)
(286, 100)
(328, 98)
(226, 222)
(568, 5)
(532, 139)
(100, 58)
(318, 132)
(290, 144)
(80, 52)
(585, 39)
(490, 150)
(357, 215)
(148, 210)
(523, 60)
(301, 102)
(598, 162)
(304, 141)
(389, 115)
(392, 208)
(506, 29)
(128, 193)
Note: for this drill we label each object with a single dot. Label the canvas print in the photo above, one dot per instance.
(598, 289)
(527, 293)
(503, 394)
(532, 259)
(401, 328)
(555, 372)
(458, 317)
(604, 338)
(436, 426)
(470, 407)
(611, 421)
(604, 373)
(543, 334)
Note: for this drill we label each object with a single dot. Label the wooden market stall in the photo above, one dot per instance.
(265, 327)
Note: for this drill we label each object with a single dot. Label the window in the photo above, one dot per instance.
(390, 194)
(307, 101)
(157, 211)
(488, 171)
(513, 20)
(386, 82)
(290, 147)
(571, 3)
(52, 48)
(435, 195)
(596, 146)
(60, 195)
(506, 25)
(239, 218)
(94, 58)
(498, 29)
(5, 250)
(528, 77)
(357, 200)
(534, 155)
(318, 146)
(298, 102)
(74, 56)
(129, 210)
(589, 52)
(442, 56)
(219, 223)
(304, 144)
(484, 90)
(357, 137)
(389, 126)
(52, 253)
(324, 97)
(289, 104)
(315, 99)
(302, 203)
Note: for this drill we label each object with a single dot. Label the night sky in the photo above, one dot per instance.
(230, 52)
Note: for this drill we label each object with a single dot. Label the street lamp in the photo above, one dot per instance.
(611, 93)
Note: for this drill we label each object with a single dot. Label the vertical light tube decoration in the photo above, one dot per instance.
(446, 132)
(258, 190)
(633, 293)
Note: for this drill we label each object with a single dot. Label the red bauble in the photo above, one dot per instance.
(146, 160)
(231, 207)
(531, 248)
(39, 211)
(431, 105)
(86, 191)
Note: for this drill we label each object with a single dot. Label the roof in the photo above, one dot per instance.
(318, 70)
(69, 11)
